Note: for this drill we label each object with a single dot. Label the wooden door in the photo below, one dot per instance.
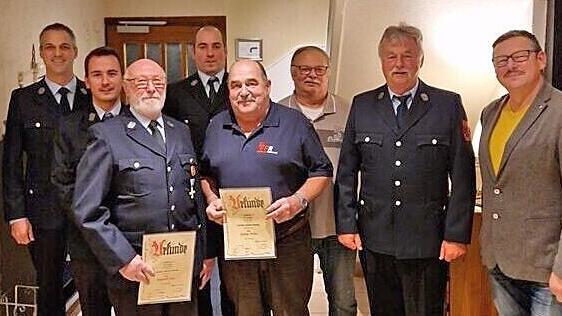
(167, 40)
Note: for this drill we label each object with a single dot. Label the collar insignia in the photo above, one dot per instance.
(41, 91)
(194, 82)
(380, 96)
(424, 97)
(131, 125)
(92, 117)
(84, 92)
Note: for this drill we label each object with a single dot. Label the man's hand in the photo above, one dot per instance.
(206, 272)
(22, 232)
(351, 241)
(555, 284)
(283, 209)
(215, 211)
(137, 270)
(451, 251)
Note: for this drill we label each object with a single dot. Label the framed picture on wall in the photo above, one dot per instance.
(249, 49)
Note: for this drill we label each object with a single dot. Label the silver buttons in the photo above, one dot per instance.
(30, 191)
(173, 226)
(397, 163)
(397, 202)
(367, 139)
(398, 143)
(434, 141)
(171, 188)
(362, 202)
(168, 168)
(495, 216)
(397, 183)
(136, 165)
(38, 124)
(191, 160)
(172, 207)
(497, 191)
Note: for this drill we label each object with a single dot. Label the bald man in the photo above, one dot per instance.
(131, 181)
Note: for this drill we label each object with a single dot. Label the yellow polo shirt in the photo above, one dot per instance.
(506, 124)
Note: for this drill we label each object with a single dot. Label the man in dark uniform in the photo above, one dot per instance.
(135, 178)
(199, 97)
(407, 139)
(31, 206)
(194, 101)
(259, 143)
(104, 78)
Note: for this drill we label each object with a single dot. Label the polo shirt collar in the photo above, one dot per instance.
(271, 118)
(329, 104)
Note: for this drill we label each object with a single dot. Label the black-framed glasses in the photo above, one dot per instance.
(141, 83)
(306, 70)
(518, 57)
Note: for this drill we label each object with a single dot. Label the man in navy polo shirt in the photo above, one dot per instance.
(255, 144)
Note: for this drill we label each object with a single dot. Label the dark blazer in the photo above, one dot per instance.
(187, 101)
(71, 139)
(405, 208)
(33, 118)
(522, 204)
(127, 185)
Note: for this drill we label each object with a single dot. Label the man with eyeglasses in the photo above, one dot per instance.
(36, 217)
(407, 140)
(520, 161)
(104, 78)
(310, 70)
(134, 179)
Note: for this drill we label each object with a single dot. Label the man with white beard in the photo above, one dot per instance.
(134, 179)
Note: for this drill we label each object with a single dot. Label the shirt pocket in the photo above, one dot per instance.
(434, 148)
(369, 145)
(38, 135)
(136, 176)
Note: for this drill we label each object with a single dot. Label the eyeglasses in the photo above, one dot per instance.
(517, 57)
(142, 83)
(306, 70)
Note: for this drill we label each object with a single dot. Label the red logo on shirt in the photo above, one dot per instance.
(264, 148)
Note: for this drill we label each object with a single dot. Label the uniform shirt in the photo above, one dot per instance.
(281, 154)
(54, 88)
(205, 79)
(329, 126)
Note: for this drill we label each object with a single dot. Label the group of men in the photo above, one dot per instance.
(80, 166)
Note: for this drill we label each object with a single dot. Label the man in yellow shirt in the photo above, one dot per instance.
(522, 189)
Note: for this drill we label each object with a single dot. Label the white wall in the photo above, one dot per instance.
(457, 42)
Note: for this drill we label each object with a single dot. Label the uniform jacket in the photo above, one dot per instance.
(522, 204)
(187, 101)
(71, 139)
(127, 185)
(405, 207)
(33, 118)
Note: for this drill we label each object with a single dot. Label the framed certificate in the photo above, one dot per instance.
(249, 49)
(171, 256)
(247, 234)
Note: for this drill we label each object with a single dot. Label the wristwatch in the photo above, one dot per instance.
(302, 200)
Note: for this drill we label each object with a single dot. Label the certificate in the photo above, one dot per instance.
(247, 234)
(171, 256)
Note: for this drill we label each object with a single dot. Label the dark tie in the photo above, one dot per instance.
(402, 110)
(106, 116)
(64, 105)
(212, 91)
(156, 133)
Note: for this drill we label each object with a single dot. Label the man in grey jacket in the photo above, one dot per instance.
(522, 192)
